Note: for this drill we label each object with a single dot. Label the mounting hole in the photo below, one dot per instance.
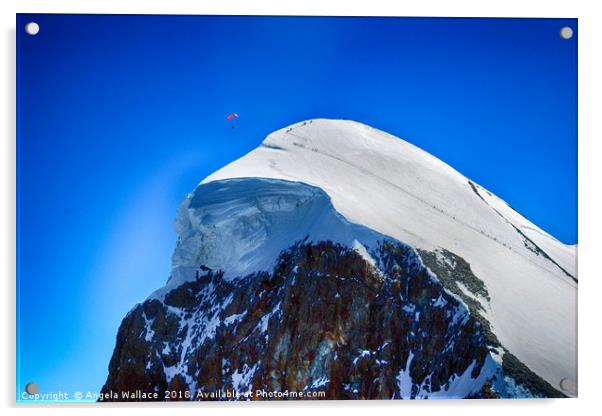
(32, 28)
(32, 388)
(566, 32)
(569, 386)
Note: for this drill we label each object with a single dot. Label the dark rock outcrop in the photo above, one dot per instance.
(324, 324)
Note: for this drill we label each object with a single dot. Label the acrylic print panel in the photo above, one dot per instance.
(266, 208)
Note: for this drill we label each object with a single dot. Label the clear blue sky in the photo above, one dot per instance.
(119, 117)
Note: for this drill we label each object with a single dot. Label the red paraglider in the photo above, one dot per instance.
(231, 117)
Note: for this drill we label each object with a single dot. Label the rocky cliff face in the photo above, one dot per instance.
(323, 320)
(324, 324)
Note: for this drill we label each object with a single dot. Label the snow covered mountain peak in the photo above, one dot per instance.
(338, 258)
(351, 161)
(396, 189)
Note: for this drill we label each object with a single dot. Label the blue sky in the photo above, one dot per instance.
(120, 116)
